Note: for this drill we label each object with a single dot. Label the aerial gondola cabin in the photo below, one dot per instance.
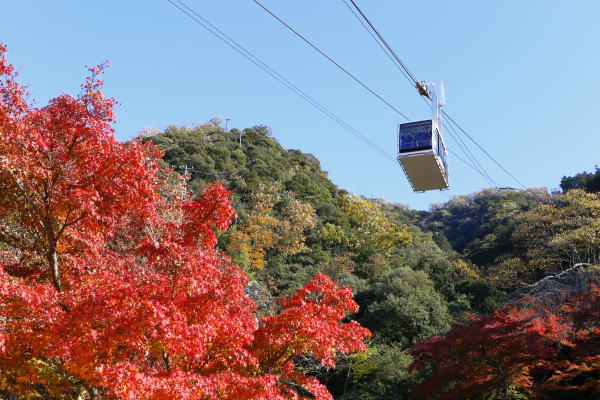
(422, 155)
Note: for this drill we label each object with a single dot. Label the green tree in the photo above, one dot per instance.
(404, 307)
(468, 217)
(588, 181)
(380, 373)
(371, 229)
(550, 237)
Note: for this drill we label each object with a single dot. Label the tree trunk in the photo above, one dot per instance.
(52, 257)
(506, 388)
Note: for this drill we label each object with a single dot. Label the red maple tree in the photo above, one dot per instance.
(486, 354)
(548, 354)
(575, 372)
(111, 285)
(65, 182)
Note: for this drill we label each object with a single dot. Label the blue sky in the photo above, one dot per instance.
(521, 77)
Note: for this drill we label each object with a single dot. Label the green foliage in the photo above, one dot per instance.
(403, 307)
(370, 230)
(381, 373)
(590, 182)
(466, 218)
(551, 237)
(413, 272)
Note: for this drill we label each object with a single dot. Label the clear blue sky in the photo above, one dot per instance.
(521, 76)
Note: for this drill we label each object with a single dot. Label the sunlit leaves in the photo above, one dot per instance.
(550, 236)
(116, 288)
(371, 228)
(65, 182)
(265, 229)
(312, 321)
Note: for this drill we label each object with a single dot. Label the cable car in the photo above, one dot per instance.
(422, 152)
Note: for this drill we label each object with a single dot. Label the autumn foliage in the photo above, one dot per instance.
(111, 282)
(544, 353)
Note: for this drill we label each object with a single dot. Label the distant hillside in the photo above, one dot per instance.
(293, 221)
(413, 273)
(213, 154)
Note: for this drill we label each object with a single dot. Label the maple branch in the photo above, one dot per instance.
(68, 224)
(301, 390)
(167, 361)
(23, 192)
(269, 361)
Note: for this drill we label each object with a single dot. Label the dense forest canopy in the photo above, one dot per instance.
(415, 274)
(590, 182)
(202, 263)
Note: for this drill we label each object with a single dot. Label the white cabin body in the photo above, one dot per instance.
(422, 155)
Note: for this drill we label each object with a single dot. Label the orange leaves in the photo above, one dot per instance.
(310, 324)
(264, 230)
(116, 289)
(66, 183)
(144, 336)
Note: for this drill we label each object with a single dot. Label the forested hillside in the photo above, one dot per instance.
(415, 274)
(293, 221)
(200, 263)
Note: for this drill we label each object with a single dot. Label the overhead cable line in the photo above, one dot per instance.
(385, 43)
(400, 64)
(256, 61)
(419, 87)
(467, 163)
(482, 149)
(395, 60)
(474, 163)
(370, 32)
(184, 8)
(351, 75)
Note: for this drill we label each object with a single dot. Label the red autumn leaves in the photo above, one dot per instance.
(111, 285)
(548, 354)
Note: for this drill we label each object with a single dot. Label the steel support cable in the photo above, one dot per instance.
(403, 68)
(476, 165)
(360, 82)
(463, 160)
(472, 164)
(385, 43)
(351, 75)
(443, 112)
(256, 61)
(482, 149)
(406, 72)
(377, 41)
(245, 53)
(465, 148)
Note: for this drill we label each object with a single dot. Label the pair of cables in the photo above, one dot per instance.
(451, 122)
(391, 54)
(197, 18)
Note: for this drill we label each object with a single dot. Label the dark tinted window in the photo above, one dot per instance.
(415, 136)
